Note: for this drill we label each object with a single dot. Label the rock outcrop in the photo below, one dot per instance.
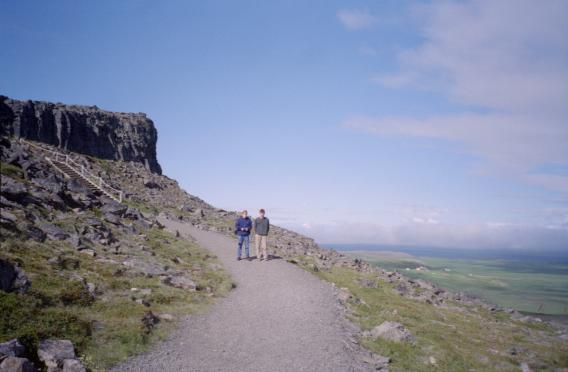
(83, 129)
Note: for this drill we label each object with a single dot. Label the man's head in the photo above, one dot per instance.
(244, 213)
(261, 212)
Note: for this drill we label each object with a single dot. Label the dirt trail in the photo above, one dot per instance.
(279, 318)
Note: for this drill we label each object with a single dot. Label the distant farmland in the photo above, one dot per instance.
(530, 286)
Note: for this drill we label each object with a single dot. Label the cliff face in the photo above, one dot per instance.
(83, 129)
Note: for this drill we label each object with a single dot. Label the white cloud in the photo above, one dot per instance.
(356, 19)
(493, 235)
(508, 57)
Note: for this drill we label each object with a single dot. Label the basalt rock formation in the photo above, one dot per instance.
(83, 129)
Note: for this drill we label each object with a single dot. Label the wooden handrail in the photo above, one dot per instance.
(91, 178)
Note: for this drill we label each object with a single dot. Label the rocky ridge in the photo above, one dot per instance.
(83, 129)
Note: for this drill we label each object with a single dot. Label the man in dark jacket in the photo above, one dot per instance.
(261, 228)
(243, 226)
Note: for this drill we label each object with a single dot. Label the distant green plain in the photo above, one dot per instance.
(528, 286)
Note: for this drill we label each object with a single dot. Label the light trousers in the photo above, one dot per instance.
(260, 246)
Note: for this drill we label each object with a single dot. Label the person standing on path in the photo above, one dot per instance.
(243, 226)
(261, 228)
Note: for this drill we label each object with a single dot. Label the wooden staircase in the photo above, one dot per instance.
(73, 170)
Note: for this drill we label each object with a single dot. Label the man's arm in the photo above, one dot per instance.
(268, 225)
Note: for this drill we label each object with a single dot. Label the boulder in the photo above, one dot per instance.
(152, 185)
(132, 214)
(13, 348)
(115, 208)
(13, 190)
(15, 364)
(344, 295)
(72, 365)
(13, 278)
(149, 320)
(35, 233)
(49, 183)
(368, 283)
(199, 213)
(180, 282)
(54, 232)
(8, 220)
(53, 353)
(112, 218)
(392, 331)
(75, 186)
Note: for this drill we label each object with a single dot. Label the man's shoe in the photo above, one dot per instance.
(238, 258)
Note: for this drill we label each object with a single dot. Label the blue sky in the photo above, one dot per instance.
(398, 122)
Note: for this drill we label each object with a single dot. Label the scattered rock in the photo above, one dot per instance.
(35, 233)
(152, 185)
(392, 331)
(149, 320)
(54, 232)
(13, 190)
(13, 278)
(132, 214)
(88, 251)
(368, 283)
(199, 213)
(166, 317)
(112, 218)
(13, 348)
(179, 282)
(115, 208)
(53, 353)
(526, 368)
(15, 364)
(141, 301)
(344, 295)
(72, 365)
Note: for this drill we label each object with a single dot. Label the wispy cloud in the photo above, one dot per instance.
(356, 19)
(507, 58)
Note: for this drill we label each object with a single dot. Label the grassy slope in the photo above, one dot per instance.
(108, 328)
(458, 337)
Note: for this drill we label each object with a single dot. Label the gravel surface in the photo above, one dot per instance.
(279, 318)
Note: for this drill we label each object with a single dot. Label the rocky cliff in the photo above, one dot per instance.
(83, 129)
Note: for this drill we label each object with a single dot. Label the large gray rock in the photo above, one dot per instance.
(54, 232)
(55, 353)
(83, 129)
(72, 365)
(114, 208)
(15, 364)
(12, 348)
(13, 278)
(392, 331)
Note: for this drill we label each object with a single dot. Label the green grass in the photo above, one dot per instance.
(458, 338)
(529, 286)
(11, 170)
(107, 329)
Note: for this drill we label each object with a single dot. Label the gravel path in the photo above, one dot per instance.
(279, 318)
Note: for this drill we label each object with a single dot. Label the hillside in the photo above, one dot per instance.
(109, 278)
